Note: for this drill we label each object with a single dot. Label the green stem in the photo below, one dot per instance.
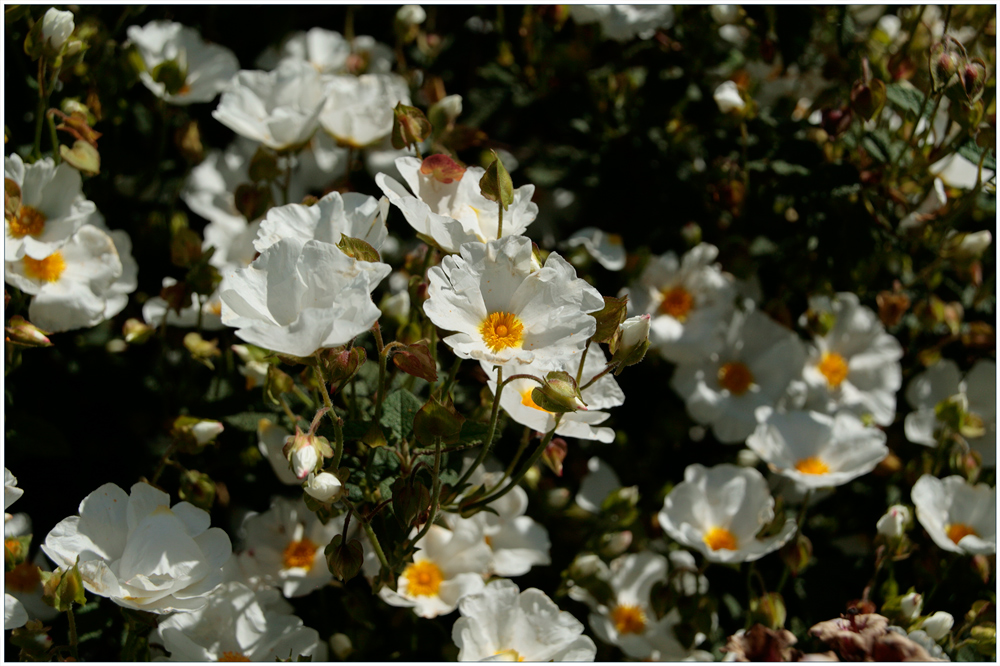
(376, 546)
(435, 494)
(383, 356)
(583, 359)
(163, 463)
(338, 449)
(43, 101)
(500, 223)
(525, 439)
(73, 640)
(489, 437)
(452, 373)
(288, 180)
(611, 366)
(55, 140)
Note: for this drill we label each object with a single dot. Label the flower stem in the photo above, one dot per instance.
(383, 356)
(43, 101)
(73, 640)
(489, 436)
(611, 366)
(500, 221)
(55, 140)
(338, 449)
(583, 359)
(435, 494)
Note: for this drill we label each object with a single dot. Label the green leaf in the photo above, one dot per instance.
(970, 151)
(906, 97)
(398, 411)
(359, 249)
(247, 421)
(609, 318)
(783, 168)
(354, 430)
(474, 431)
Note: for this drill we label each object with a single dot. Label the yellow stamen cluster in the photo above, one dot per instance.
(735, 377)
(958, 531)
(234, 656)
(501, 330)
(834, 368)
(423, 579)
(27, 221)
(719, 538)
(507, 655)
(300, 554)
(628, 619)
(677, 303)
(527, 401)
(812, 465)
(48, 269)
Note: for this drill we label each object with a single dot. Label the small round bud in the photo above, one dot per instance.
(324, 486)
(938, 625)
(57, 26)
(728, 97)
(893, 524)
(911, 605)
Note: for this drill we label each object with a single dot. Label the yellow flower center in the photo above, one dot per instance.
(501, 330)
(735, 377)
(23, 578)
(233, 656)
(26, 222)
(677, 303)
(812, 465)
(508, 655)
(958, 531)
(527, 401)
(628, 619)
(300, 554)
(48, 269)
(834, 368)
(423, 579)
(719, 538)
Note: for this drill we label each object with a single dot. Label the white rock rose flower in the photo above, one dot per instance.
(201, 70)
(958, 172)
(753, 369)
(959, 517)
(57, 26)
(155, 309)
(238, 624)
(607, 249)
(719, 511)
(116, 297)
(448, 565)
(623, 22)
(139, 551)
(817, 450)
(359, 109)
(603, 394)
(24, 582)
(855, 365)
(503, 311)
(301, 296)
(501, 623)
(279, 109)
(329, 53)
(447, 205)
(411, 15)
(727, 97)
(894, 522)
(52, 207)
(690, 300)
(75, 286)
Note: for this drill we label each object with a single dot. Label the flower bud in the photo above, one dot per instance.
(62, 588)
(197, 488)
(206, 430)
(938, 625)
(324, 486)
(344, 364)
(341, 646)
(24, 333)
(554, 455)
(442, 168)
(305, 451)
(496, 184)
(559, 394)
(725, 14)
(445, 111)
(946, 58)
(82, 156)
(409, 126)
(973, 79)
(193, 433)
(910, 606)
(728, 97)
(769, 610)
(895, 521)
(57, 26)
(136, 332)
(615, 543)
(410, 15)
(630, 342)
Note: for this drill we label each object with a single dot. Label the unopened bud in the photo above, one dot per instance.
(22, 332)
(496, 184)
(57, 26)
(136, 332)
(305, 451)
(410, 15)
(324, 486)
(409, 126)
(193, 433)
(910, 606)
(769, 610)
(973, 78)
(197, 488)
(946, 57)
(895, 522)
(727, 97)
(62, 588)
(630, 342)
(202, 350)
(445, 111)
(559, 394)
(15, 551)
(554, 455)
(938, 625)
(615, 543)
(344, 364)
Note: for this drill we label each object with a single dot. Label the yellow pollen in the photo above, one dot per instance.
(527, 401)
(13, 546)
(423, 579)
(48, 269)
(489, 540)
(501, 330)
(834, 368)
(958, 531)
(23, 578)
(812, 465)
(216, 308)
(233, 656)
(719, 538)
(508, 655)
(677, 303)
(26, 222)
(628, 619)
(735, 377)
(300, 554)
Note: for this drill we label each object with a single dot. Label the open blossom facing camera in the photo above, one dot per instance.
(690, 299)
(753, 369)
(855, 364)
(959, 517)
(50, 210)
(140, 552)
(719, 511)
(181, 67)
(501, 623)
(817, 450)
(447, 205)
(503, 311)
(335, 215)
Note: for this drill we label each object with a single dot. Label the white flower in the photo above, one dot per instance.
(300, 296)
(324, 486)
(972, 245)
(117, 294)
(817, 450)
(719, 511)
(932, 203)
(976, 392)
(690, 300)
(727, 96)
(139, 552)
(330, 53)
(448, 566)
(271, 440)
(253, 368)
(758, 361)
(855, 365)
(304, 460)
(893, 523)
(501, 623)
(57, 26)
(628, 620)
(236, 625)
(359, 109)
(206, 430)
(411, 15)
(910, 605)
(205, 69)
(14, 615)
(335, 215)
(284, 547)
(369, 56)
(52, 207)
(448, 206)
(959, 517)
(450, 108)
(958, 172)
(938, 625)
(279, 109)
(156, 308)
(11, 492)
(603, 394)
(623, 22)
(599, 482)
(503, 311)
(607, 249)
(74, 286)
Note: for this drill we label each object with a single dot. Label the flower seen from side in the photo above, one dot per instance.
(959, 517)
